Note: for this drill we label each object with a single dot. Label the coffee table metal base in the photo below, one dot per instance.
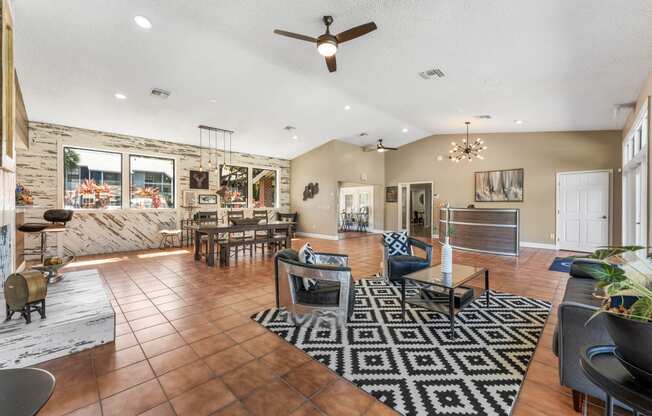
(448, 308)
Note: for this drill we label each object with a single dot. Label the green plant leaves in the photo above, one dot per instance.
(641, 310)
(604, 273)
(606, 252)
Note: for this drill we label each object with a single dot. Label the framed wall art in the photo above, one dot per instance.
(207, 199)
(198, 179)
(391, 194)
(499, 186)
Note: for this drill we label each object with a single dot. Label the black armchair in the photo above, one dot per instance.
(395, 267)
(333, 294)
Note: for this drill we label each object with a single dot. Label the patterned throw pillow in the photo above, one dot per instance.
(396, 243)
(307, 256)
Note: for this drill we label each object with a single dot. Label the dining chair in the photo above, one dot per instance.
(240, 238)
(205, 218)
(261, 236)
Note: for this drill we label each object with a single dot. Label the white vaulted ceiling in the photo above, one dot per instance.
(557, 64)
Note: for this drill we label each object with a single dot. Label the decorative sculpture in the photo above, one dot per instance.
(310, 191)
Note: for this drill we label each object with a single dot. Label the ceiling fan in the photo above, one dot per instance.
(379, 147)
(327, 43)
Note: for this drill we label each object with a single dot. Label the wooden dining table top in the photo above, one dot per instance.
(213, 227)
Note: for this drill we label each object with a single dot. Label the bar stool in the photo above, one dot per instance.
(57, 219)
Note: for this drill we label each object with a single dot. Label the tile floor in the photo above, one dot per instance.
(185, 344)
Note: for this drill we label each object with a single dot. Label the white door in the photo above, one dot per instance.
(638, 212)
(583, 210)
(634, 205)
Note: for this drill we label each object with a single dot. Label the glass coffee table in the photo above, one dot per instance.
(433, 277)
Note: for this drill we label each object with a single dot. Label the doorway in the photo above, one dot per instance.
(356, 210)
(583, 210)
(635, 205)
(635, 182)
(415, 213)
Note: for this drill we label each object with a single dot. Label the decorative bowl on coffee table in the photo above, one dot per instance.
(52, 270)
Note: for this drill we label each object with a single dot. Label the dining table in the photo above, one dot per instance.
(212, 230)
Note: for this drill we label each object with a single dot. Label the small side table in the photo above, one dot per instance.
(601, 366)
(24, 391)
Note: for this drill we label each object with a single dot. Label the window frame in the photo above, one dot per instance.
(62, 180)
(125, 177)
(250, 194)
(174, 181)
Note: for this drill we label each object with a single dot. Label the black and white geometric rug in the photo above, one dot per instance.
(414, 366)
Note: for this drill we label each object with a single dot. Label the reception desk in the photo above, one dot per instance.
(485, 230)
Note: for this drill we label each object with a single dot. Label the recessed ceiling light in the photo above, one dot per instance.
(519, 121)
(120, 96)
(143, 22)
(213, 100)
(347, 107)
(405, 130)
(295, 137)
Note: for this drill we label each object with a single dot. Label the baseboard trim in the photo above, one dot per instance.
(315, 235)
(545, 246)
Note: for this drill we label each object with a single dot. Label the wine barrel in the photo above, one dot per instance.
(24, 288)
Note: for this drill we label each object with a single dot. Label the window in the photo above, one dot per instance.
(92, 179)
(263, 188)
(236, 181)
(151, 181)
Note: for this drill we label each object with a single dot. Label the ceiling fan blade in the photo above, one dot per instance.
(331, 63)
(390, 148)
(369, 148)
(295, 36)
(356, 32)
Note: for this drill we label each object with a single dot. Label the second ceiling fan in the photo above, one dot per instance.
(378, 147)
(328, 43)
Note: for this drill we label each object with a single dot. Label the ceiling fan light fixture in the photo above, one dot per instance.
(327, 47)
(143, 22)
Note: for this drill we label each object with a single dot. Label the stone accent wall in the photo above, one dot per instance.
(94, 232)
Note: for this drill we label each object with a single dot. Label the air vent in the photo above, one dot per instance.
(483, 117)
(432, 73)
(160, 93)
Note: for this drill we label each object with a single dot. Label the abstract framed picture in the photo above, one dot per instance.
(207, 199)
(499, 186)
(198, 179)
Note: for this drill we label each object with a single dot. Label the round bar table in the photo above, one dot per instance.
(602, 367)
(24, 391)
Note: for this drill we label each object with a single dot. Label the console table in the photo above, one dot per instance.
(601, 366)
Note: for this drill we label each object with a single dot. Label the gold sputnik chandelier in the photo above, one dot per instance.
(467, 150)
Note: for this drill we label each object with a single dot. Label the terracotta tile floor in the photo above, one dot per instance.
(185, 344)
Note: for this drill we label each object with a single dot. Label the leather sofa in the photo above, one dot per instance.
(572, 332)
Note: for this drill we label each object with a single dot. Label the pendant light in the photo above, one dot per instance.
(467, 150)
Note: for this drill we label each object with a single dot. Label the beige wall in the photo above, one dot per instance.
(644, 99)
(542, 155)
(330, 165)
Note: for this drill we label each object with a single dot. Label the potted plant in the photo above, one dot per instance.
(624, 275)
